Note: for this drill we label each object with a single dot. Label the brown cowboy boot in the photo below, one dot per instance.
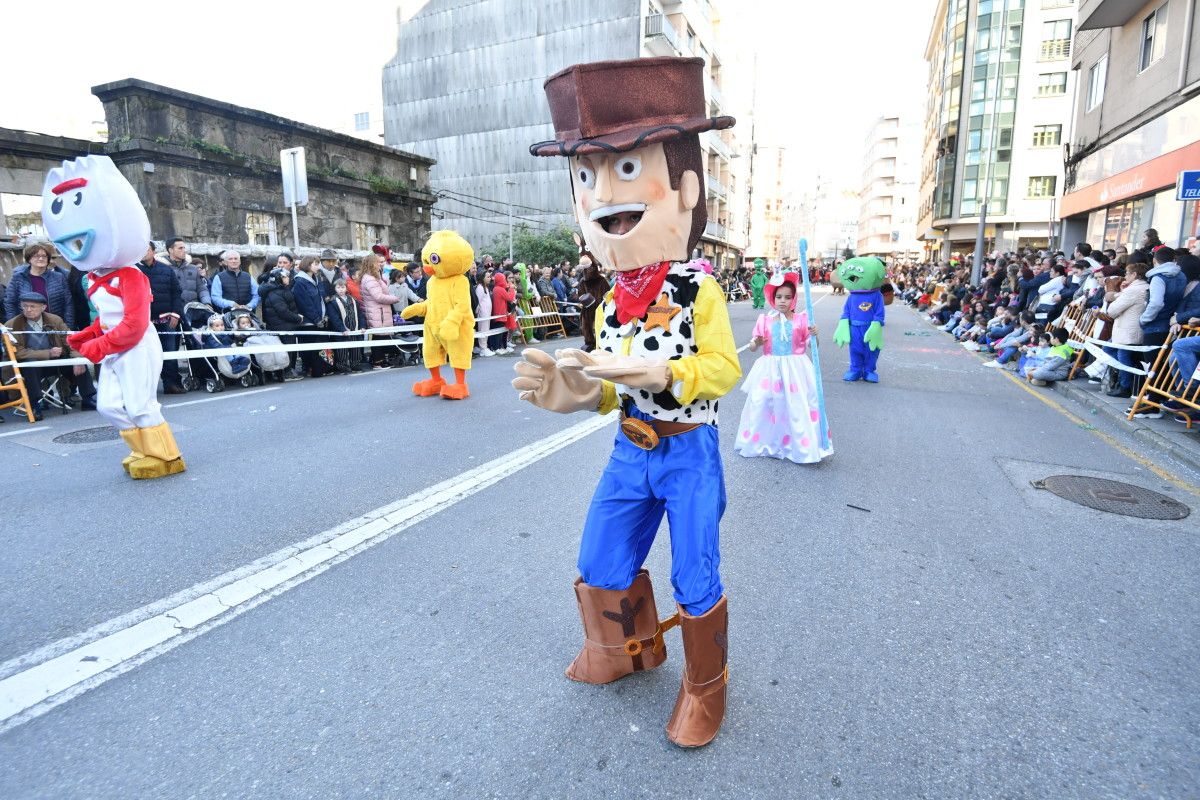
(700, 706)
(621, 632)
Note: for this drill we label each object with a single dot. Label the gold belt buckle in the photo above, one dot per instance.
(640, 432)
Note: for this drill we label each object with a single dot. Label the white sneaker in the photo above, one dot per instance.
(484, 353)
(533, 340)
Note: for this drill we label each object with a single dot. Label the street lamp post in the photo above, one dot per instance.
(977, 265)
(510, 184)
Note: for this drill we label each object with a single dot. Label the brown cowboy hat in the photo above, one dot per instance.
(616, 106)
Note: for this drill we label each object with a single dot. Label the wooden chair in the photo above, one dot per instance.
(17, 384)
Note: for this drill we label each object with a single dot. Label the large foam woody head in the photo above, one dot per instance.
(93, 215)
(630, 132)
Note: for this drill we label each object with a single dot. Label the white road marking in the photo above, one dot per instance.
(26, 430)
(234, 396)
(38, 681)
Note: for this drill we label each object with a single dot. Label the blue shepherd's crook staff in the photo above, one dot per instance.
(816, 353)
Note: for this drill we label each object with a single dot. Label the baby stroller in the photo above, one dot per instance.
(222, 368)
(195, 318)
(263, 363)
(409, 345)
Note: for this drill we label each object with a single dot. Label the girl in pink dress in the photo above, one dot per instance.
(780, 418)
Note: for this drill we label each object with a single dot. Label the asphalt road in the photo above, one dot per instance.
(965, 635)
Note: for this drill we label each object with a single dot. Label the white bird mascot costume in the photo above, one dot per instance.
(94, 217)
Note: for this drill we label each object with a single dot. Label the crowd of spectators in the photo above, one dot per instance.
(310, 301)
(1016, 315)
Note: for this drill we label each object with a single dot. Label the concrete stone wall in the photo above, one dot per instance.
(201, 165)
(465, 87)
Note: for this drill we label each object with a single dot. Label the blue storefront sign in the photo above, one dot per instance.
(1188, 187)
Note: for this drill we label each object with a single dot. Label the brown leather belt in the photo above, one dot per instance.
(647, 433)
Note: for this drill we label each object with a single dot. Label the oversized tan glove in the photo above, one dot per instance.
(540, 381)
(634, 372)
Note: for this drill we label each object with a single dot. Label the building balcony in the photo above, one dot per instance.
(1055, 50)
(714, 94)
(714, 230)
(1096, 15)
(718, 146)
(716, 188)
(661, 37)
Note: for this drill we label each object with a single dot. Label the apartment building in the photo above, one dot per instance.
(1000, 83)
(1136, 123)
(887, 220)
(465, 87)
(766, 204)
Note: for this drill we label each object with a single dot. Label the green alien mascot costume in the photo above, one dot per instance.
(758, 282)
(525, 303)
(862, 316)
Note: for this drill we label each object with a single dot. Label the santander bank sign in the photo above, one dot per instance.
(1154, 175)
(1119, 190)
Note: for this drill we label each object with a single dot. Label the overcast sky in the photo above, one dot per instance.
(825, 70)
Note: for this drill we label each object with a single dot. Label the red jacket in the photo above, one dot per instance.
(133, 288)
(502, 295)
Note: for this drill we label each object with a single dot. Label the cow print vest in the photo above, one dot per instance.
(681, 286)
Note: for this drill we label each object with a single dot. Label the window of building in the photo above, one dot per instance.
(1056, 40)
(1097, 77)
(412, 174)
(1051, 84)
(1154, 36)
(1047, 135)
(365, 235)
(1042, 186)
(362, 122)
(260, 228)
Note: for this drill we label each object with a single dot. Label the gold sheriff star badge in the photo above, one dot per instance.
(659, 315)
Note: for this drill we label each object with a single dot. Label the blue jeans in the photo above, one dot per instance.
(1185, 354)
(682, 477)
(1128, 358)
(1006, 355)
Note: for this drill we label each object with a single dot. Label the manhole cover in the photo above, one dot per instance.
(1114, 497)
(105, 433)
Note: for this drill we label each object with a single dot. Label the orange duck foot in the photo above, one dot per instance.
(429, 387)
(455, 391)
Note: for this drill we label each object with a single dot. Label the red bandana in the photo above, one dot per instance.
(637, 289)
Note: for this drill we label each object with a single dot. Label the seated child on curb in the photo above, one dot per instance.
(1057, 364)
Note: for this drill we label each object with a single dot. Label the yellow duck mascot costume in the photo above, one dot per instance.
(449, 323)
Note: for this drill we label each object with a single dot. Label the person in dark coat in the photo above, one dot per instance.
(346, 321)
(311, 305)
(39, 275)
(166, 312)
(84, 313)
(279, 310)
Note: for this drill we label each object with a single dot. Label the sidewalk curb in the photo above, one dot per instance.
(1081, 396)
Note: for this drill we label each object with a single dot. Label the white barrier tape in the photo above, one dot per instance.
(413, 328)
(255, 349)
(1107, 360)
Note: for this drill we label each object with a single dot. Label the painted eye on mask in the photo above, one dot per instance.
(628, 168)
(434, 258)
(56, 206)
(585, 175)
(78, 198)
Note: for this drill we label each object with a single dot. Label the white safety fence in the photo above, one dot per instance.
(330, 340)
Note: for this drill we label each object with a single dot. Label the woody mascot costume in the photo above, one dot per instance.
(665, 355)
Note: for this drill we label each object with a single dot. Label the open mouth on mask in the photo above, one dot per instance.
(620, 219)
(76, 246)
